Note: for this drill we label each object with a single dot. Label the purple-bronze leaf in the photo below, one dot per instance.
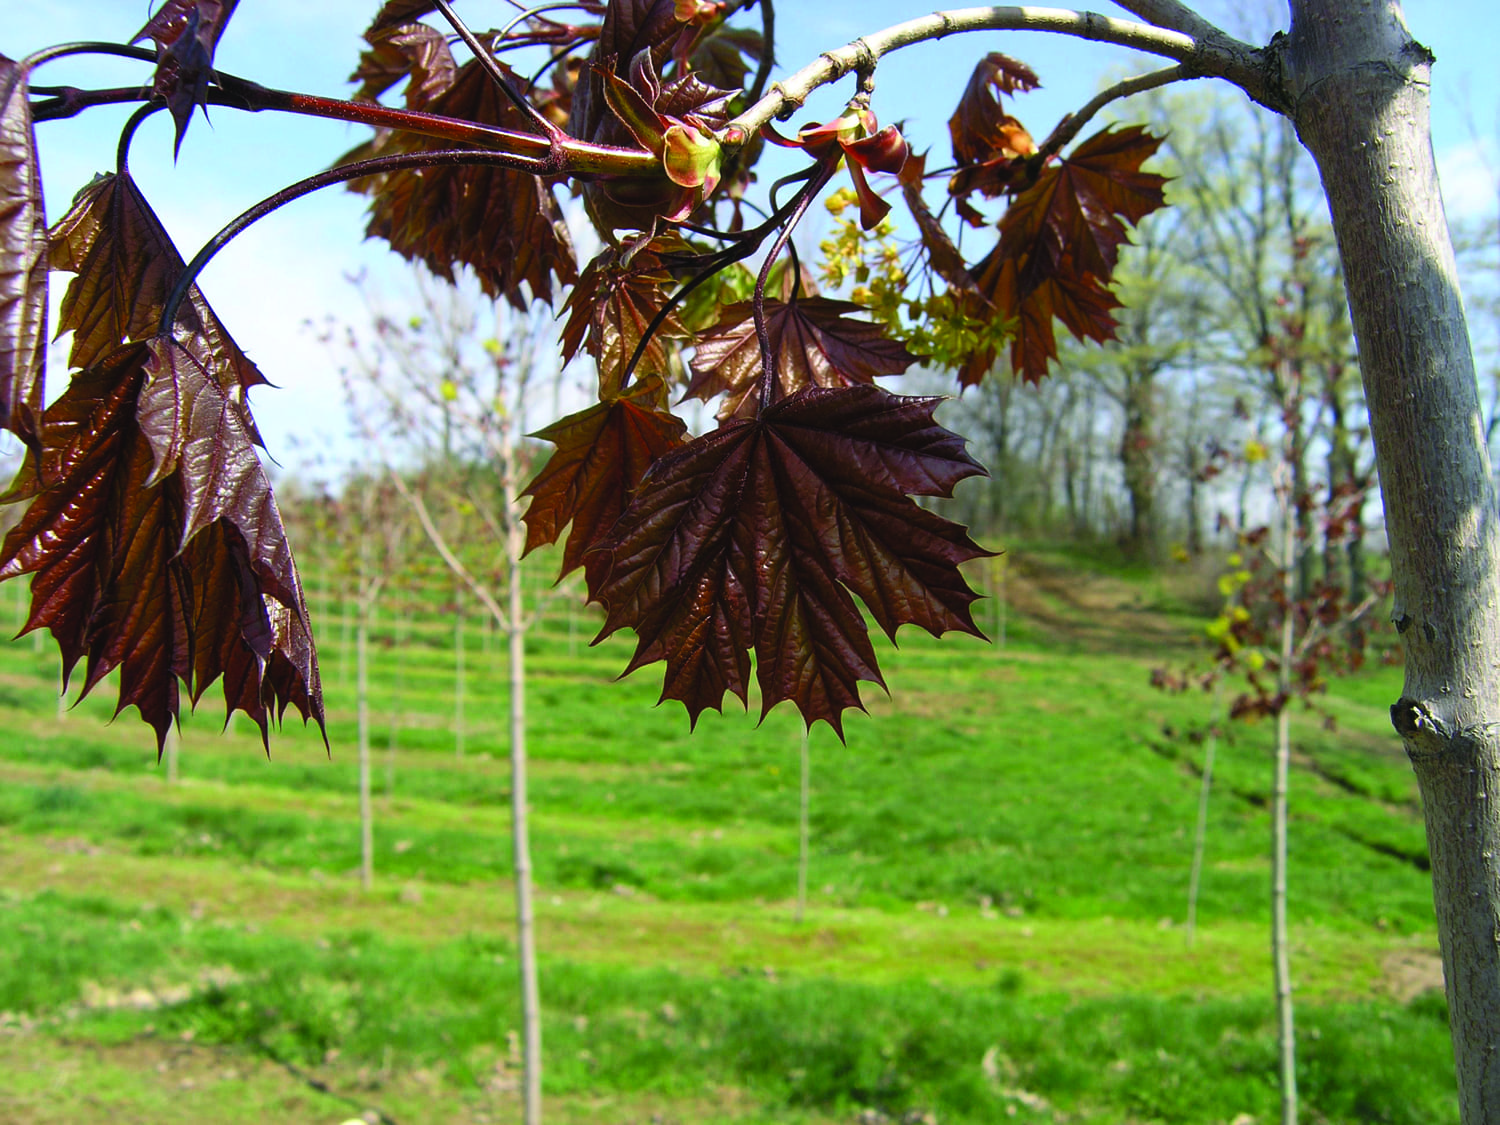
(186, 33)
(126, 266)
(199, 432)
(602, 454)
(814, 343)
(23, 260)
(100, 541)
(756, 537)
(108, 506)
(502, 223)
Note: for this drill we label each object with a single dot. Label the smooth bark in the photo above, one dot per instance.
(1286, 1032)
(803, 805)
(1200, 827)
(362, 710)
(1358, 85)
(515, 628)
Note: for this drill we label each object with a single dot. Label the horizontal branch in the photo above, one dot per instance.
(1217, 57)
(562, 155)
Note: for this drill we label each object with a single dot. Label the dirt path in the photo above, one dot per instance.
(1096, 612)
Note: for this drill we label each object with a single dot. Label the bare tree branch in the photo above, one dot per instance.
(440, 544)
(1174, 16)
(1069, 126)
(1216, 54)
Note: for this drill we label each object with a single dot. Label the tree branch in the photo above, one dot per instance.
(1175, 16)
(1070, 126)
(768, 51)
(1217, 56)
(342, 174)
(440, 545)
(497, 72)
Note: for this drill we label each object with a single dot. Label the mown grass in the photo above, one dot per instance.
(1000, 858)
(968, 1054)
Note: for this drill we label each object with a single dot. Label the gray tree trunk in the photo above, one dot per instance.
(1200, 828)
(173, 744)
(531, 1002)
(458, 671)
(1286, 1032)
(362, 710)
(803, 806)
(1358, 85)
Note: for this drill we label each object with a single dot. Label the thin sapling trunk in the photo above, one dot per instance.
(1286, 1036)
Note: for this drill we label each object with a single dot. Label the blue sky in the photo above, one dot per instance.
(293, 265)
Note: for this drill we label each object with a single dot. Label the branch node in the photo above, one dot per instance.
(1426, 734)
(789, 103)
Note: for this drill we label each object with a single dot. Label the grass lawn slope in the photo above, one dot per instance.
(998, 883)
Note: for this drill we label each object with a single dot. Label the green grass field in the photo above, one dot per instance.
(1000, 860)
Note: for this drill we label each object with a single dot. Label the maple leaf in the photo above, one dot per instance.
(200, 439)
(126, 267)
(611, 307)
(725, 55)
(1079, 207)
(23, 260)
(394, 13)
(406, 51)
(186, 33)
(602, 454)
(502, 223)
(979, 128)
(1059, 243)
(1082, 301)
(814, 342)
(118, 576)
(756, 536)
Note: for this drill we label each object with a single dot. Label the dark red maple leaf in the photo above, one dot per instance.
(980, 128)
(1081, 301)
(610, 309)
(1078, 208)
(156, 547)
(1059, 244)
(126, 267)
(415, 52)
(394, 13)
(502, 223)
(23, 260)
(756, 536)
(186, 33)
(724, 56)
(602, 454)
(814, 342)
